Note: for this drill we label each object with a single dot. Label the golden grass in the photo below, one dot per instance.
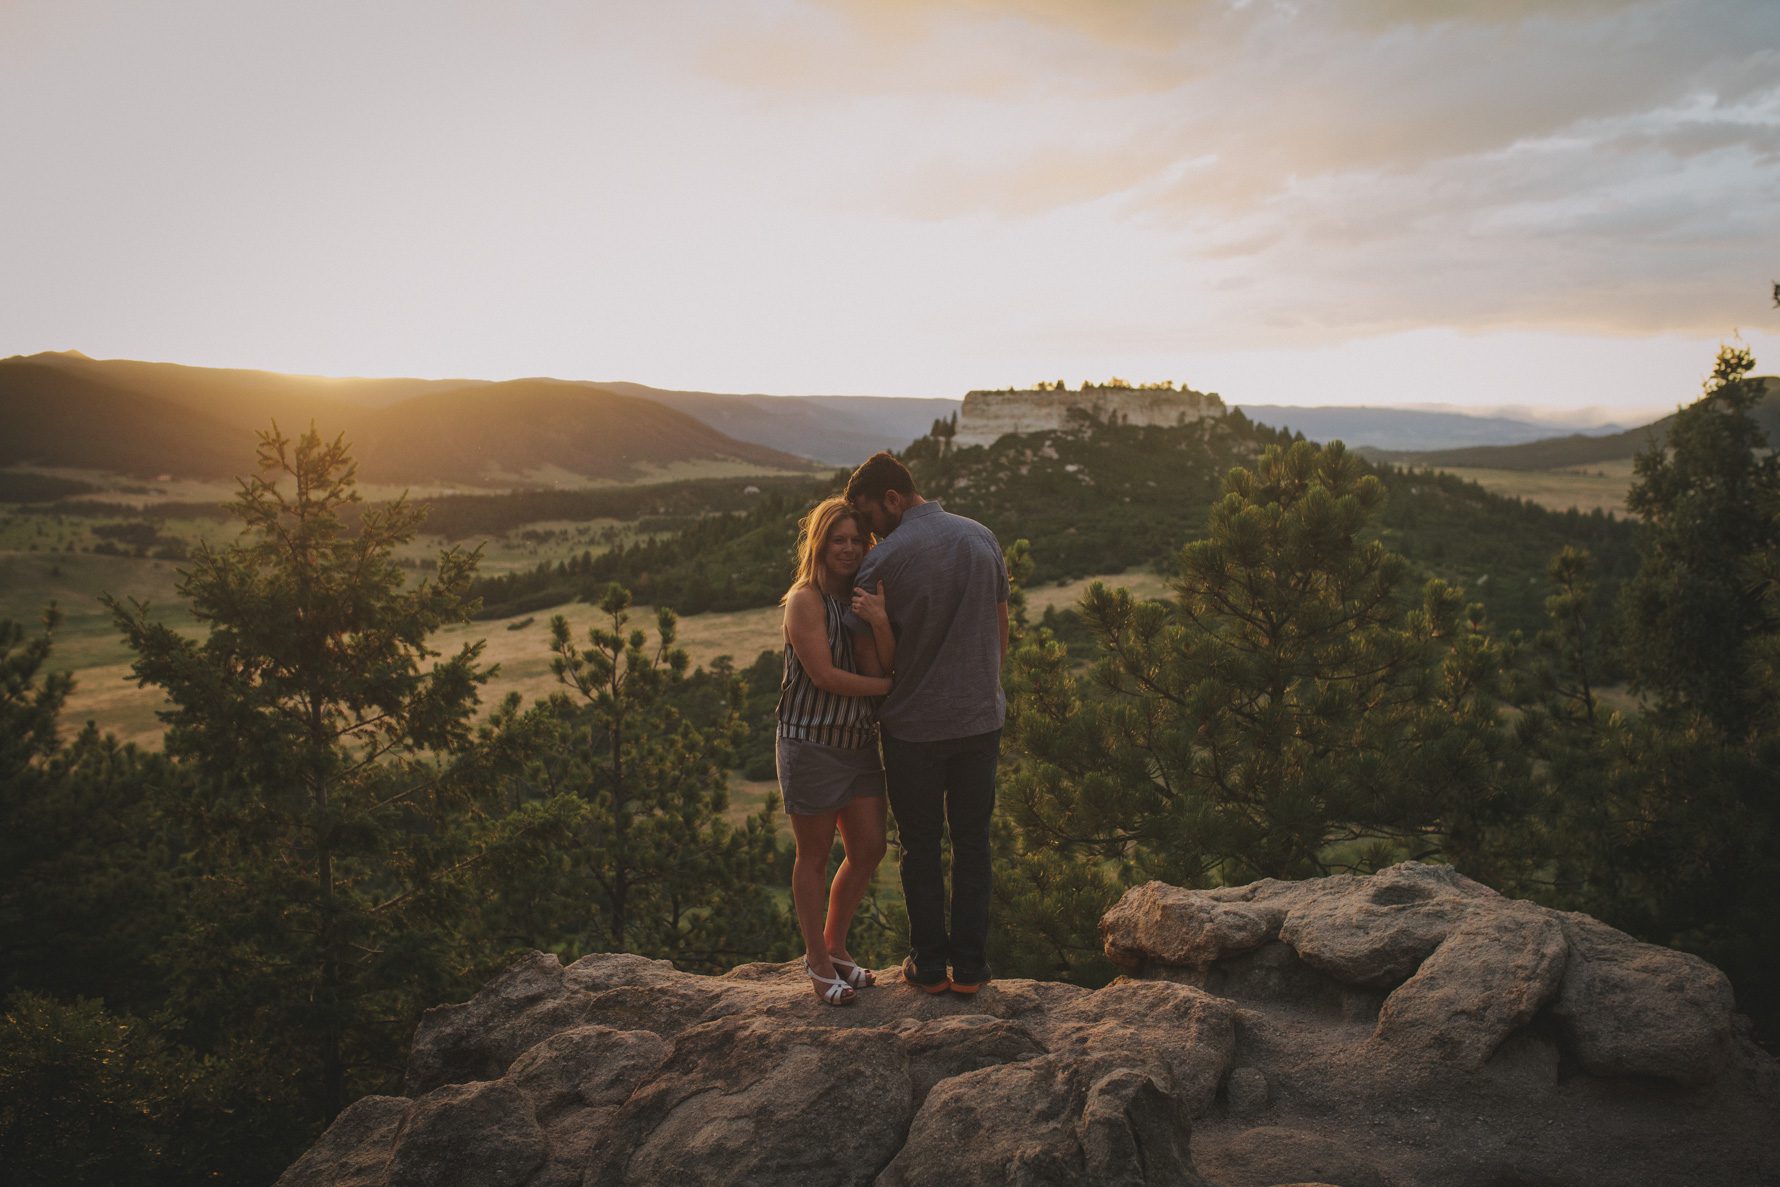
(1601, 486)
(88, 643)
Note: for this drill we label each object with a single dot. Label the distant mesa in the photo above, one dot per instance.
(988, 416)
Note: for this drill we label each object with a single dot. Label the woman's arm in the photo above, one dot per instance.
(871, 609)
(806, 628)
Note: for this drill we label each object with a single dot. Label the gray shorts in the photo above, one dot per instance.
(816, 779)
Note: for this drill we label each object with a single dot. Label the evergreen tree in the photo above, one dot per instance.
(618, 840)
(322, 820)
(1287, 714)
(83, 890)
(1696, 614)
(1048, 898)
(1667, 823)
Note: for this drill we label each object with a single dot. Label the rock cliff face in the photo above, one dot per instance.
(1408, 1028)
(987, 416)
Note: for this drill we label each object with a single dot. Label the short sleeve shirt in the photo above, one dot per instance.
(944, 577)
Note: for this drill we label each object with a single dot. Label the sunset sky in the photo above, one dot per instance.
(1484, 202)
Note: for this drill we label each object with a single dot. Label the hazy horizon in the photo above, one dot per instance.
(1553, 204)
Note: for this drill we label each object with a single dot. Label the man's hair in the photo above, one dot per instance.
(879, 473)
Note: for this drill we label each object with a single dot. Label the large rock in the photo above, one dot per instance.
(1634, 1009)
(1187, 929)
(1410, 1027)
(748, 1101)
(468, 1135)
(354, 1152)
(1416, 1027)
(1052, 1120)
(1488, 978)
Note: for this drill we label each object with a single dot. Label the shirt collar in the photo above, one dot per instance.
(930, 507)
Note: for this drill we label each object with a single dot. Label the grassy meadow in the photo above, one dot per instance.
(48, 558)
(1601, 486)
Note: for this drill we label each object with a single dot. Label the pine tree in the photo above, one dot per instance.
(83, 891)
(1288, 713)
(618, 840)
(1696, 613)
(1667, 823)
(322, 821)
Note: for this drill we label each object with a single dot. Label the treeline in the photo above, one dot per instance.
(669, 504)
(1108, 500)
(719, 562)
(1126, 496)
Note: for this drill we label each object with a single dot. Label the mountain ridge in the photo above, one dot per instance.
(1575, 449)
(152, 418)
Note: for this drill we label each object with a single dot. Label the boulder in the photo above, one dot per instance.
(1185, 929)
(1488, 978)
(354, 1152)
(748, 1101)
(468, 1135)
(1633, 1009)
(1416, 1027)
(1377, 931)
(1051, 1120)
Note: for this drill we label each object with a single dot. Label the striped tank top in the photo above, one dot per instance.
(829, 719)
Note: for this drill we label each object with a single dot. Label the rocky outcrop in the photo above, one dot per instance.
(1411, 1027)
(987, 416)
(620, 1070)
(1415, 1026)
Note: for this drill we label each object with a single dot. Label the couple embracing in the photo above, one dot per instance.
(902, 641)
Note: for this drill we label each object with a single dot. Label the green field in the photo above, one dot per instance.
(36, 569)
(1600, 486)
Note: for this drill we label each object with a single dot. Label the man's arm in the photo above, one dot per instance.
(1001, 616)
(870, 572)
(876, 612)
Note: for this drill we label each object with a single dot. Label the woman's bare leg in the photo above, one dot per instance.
(863, 825)
(815, 837)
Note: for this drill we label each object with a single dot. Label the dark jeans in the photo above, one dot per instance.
(932, 784)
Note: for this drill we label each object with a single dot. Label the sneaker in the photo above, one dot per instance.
(971, 984)
(912, 976)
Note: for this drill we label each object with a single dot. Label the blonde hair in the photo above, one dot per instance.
(813, 531)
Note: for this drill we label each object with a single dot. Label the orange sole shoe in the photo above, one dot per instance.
(961, 987)
(908, 976)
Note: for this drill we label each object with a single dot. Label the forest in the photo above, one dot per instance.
(209, 949)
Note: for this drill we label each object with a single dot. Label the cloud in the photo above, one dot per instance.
(1358, 166)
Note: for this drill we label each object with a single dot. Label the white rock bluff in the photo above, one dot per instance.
(1409, 1028)
(987, 416)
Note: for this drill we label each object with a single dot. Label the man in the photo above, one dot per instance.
(946, 589)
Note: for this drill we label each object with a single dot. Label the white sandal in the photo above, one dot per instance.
(837, 991)
(856, 975)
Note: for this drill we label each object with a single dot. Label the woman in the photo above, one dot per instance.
(827, 744)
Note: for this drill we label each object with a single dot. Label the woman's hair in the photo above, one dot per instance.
(813, 531)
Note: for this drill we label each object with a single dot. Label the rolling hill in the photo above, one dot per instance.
(1407, 428)
(143, 419)
(1556, 453)
(840, 430)
(516, 433)
(57, 418)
